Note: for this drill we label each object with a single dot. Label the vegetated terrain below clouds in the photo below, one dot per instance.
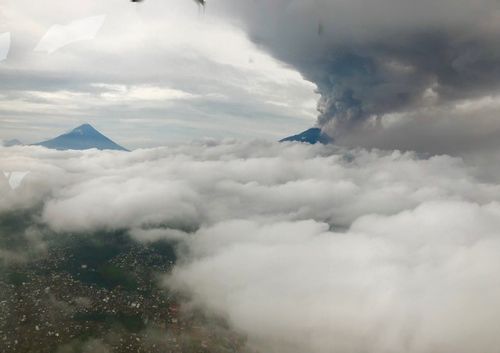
(298, 248)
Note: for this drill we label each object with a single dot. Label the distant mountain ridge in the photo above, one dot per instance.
(83, 137)
(312, 136)
(13, 142)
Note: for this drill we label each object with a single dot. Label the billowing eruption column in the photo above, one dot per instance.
(381, 58)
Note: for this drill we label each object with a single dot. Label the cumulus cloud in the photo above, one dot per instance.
(418, 281)
(209, 182)
(301, 248)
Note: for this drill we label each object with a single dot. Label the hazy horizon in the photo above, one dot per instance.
(188, 139)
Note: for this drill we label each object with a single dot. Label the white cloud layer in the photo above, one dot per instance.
(301, 248)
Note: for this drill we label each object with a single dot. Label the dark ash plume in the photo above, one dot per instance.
(373, 59)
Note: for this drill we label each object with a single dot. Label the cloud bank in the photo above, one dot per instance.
(301, 248)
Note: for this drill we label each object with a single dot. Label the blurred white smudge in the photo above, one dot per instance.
(59, 36)
(15, 178)
(4, 45)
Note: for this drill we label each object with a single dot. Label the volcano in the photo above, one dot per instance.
(83, 137)
(312, 136)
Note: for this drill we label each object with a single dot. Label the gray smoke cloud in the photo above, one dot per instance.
(372, 60)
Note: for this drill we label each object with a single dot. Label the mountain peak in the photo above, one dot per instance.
(84, 129)
(82, 137)
(11, 143)
(85, 126)
(311, 136)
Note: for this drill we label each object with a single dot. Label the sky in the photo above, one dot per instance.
(144, 74)
(390, 74)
